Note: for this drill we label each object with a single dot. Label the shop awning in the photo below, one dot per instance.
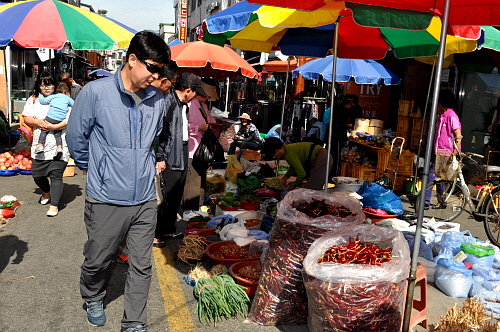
(279, 66)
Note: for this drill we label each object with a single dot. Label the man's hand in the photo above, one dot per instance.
(160, 166)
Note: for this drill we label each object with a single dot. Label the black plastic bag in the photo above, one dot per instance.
(209, 151)
(385, 182)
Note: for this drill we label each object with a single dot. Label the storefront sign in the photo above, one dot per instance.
(373, 99)
(183, 13)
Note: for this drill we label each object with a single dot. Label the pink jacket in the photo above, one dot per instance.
(195, 120)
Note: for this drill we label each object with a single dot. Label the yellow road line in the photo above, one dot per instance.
(178, 314)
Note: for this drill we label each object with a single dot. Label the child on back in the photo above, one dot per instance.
(59, 105)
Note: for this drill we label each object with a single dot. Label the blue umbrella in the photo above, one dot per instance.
(363, 71)
(100, 72)
(174, 42)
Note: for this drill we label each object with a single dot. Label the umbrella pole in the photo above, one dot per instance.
(227, 94)
(284, 98)
(427, 164)
(420, 141)
(332, 103)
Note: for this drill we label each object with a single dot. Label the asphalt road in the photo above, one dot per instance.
(40, 260)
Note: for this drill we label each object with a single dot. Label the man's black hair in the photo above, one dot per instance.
(148, 45)
(447, 99)
(271, 145)
(170, 70)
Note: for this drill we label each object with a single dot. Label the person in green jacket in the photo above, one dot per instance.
(308, 161)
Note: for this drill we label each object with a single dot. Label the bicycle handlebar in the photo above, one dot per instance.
(474, 154)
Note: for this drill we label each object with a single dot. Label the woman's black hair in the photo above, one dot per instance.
(148, 45)
(271, 145)
(447, 99)
(44, 78)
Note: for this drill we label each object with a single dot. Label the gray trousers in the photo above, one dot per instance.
(319, 168)
(107, 225)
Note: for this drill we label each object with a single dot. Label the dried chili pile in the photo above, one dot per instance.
(354, 307)
(317, 208)
(281, 297)
(357, 252)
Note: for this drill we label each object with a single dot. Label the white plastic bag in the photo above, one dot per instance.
(229, 232)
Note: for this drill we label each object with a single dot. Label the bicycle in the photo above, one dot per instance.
(448, 204)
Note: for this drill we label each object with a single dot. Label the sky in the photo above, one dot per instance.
(139, 15)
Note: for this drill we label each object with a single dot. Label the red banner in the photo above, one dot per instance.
(183, 14)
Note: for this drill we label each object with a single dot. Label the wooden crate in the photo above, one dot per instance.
(417, 126)
(406, 108)
(405, 162)
(346, 169)
(367, 174)
(404, 124)
(400, 179)
(414, 141)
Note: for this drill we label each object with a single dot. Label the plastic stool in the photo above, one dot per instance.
(420, 306)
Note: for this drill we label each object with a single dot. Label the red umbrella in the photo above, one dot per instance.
(208, 60)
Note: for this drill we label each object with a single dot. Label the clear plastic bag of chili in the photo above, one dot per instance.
(348, 292)
(281, 297)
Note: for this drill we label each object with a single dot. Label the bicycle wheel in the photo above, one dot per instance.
(446, 206)
(492, 219)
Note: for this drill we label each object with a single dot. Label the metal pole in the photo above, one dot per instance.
(284, 96)
(332, 103)
(8, 76)
(423, 122)
(227, 94)
(427, 164)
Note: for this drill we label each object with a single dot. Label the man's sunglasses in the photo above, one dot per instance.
(153, 69)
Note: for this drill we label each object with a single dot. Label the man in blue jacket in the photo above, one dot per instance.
(113, 128)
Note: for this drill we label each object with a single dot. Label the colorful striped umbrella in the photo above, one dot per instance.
(462, 12)
(52, 23)
(260, 28)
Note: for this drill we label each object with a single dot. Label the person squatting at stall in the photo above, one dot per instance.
(448, 133)
(113, 127)
(172, 156)
(307, 162)
(247, 137)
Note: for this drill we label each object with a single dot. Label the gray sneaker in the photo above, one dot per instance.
(138, 328)
(95, 313)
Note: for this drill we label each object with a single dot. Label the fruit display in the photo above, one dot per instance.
(379, 140)
(350, 156)
(12, 160)
(228, 199)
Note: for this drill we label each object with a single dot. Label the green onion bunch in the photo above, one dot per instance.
(220, 297)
